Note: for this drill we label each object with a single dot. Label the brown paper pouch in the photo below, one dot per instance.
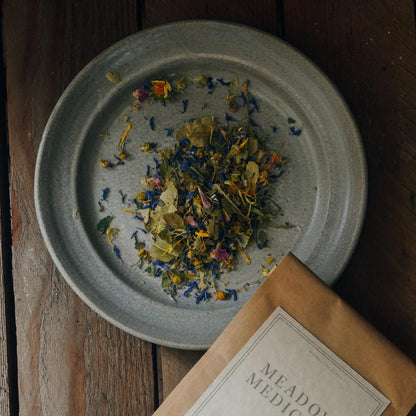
(317, 308)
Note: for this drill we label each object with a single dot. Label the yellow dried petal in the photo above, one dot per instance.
(220, 295)
(113, 77)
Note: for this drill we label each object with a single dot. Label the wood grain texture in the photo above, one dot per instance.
(368, 49)
(4, 364)
(8, 383)
(70, 361)
(261, 14)
(174, 365)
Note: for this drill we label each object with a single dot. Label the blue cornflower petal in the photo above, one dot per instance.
(189, 195)
(214, 267)
(119, 161)
(117, 252)
(233, 293)
(191, 285)
(187, 291)
(184, 142)
(293, 131)
(254, 102)
(152, 194)
(185, 106)
(229, 118)
(154, 204)
(185, 165)
(157, 163)
(105, 193)
(160, 263)
(204, 295)
(222, 82)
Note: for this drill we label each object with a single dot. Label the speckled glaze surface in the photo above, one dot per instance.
(322, 191)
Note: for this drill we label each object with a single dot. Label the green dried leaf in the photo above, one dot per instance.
(261, 155)
(252, 173)
(165, 235)
(165, 167)
(291, 120)
(212, 229)
(244, 239)
(261, 239)
(241, 156)
(139, 245)
(198, 132)
(145, 213)
(229, 206)
(174, 220)
(157, 254)
(198, 244)
(104, 223)
(165, 280)
(234, 83)
(170, 195)
(180, 274)
(113, 77)
(163, 250)
(253, 146)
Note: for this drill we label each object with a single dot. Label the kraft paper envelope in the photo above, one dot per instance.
(293, 287)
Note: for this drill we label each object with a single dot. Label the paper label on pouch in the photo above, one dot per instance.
(285, 370)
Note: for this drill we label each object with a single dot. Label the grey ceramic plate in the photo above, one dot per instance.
(322, 192)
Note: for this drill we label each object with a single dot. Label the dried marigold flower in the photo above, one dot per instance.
(220, 295)
(105, 163)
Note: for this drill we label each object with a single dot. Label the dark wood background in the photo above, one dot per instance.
(57, 356)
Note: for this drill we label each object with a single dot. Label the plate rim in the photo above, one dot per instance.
(37, 186)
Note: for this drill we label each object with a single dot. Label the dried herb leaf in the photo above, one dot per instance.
(208, 198)
(113, 77)
(104, 224)
(174, 220)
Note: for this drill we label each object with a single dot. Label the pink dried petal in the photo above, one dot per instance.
(220, 254)
(136, 93)
(191, 221)
(204, 199)
(156, 182)
(141, 93)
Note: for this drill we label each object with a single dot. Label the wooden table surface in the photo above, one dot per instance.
(57, 356)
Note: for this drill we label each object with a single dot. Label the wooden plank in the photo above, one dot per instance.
(8, 370)
(368, 49)
(264, 15)
(4, 275)
(70, 360)
(4, 366)
(174, 364)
